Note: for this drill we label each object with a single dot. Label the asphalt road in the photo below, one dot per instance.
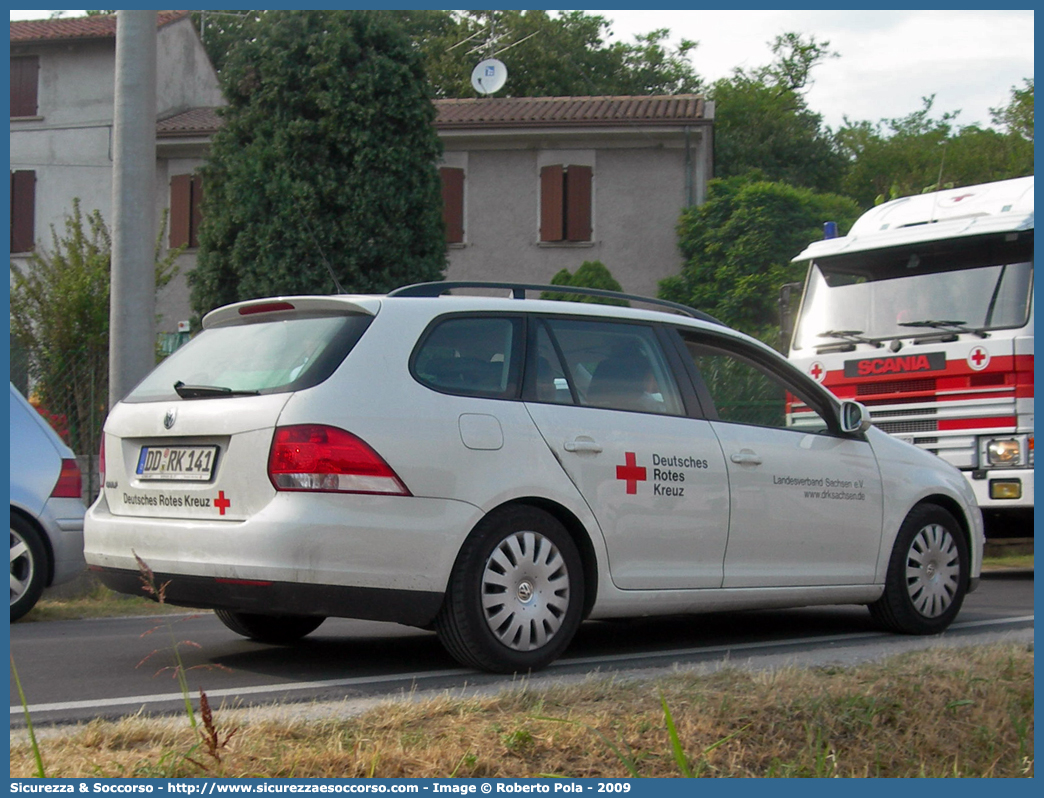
(78, 670)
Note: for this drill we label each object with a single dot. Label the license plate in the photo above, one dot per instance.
(195, 463)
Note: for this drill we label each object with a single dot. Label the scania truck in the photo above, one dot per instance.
(924, 313)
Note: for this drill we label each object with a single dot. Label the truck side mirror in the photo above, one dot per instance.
(854, 417)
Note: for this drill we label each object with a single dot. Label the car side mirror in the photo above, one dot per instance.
(854, 417)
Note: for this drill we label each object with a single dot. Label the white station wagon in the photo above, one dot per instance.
(500, 468)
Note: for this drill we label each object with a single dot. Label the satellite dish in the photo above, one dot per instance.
(489, 76)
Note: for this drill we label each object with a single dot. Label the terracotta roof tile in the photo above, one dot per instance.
(489, 112)
(100, 27)
(194, 122)
(506, 112)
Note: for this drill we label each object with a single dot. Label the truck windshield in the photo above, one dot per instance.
(908, 292)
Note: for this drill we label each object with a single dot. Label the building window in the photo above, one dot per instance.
(186, 198)
(565, 203)
(453, 203)
(24, 76)
(23, 210)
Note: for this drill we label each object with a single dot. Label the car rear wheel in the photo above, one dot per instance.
(516, 593)
(276, 629)
(28, 566)
(927, 575)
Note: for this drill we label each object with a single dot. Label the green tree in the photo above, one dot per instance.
(222, 30)
(60, 319)
(563, 54)
(739, 244)
(590, 274)
(921, 152)
(762, 121)
(1017, 115)
(323, 175)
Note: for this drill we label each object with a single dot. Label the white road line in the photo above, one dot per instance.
(139, 700)
(238, 691)
(797, 641)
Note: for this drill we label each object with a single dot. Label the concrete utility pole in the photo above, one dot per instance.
(132, 311)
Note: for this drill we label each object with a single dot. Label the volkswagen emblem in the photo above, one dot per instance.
(170, 417)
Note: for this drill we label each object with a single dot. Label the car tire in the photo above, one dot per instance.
(276, 629)
(29, 566)
(928, 574)
(516, 593)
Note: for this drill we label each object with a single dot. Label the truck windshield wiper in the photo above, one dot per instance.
(207, 391)
(945, 324)
(855, 336)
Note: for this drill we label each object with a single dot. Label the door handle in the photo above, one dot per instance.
(746, 457)
(582, 445)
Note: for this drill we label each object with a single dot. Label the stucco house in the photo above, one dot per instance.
(62, 106)
(530, 185)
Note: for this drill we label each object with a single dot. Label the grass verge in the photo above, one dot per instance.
(1009, 561)
(942, 712)
(98, 602)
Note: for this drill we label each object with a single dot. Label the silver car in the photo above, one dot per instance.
(46, 508)
(500, 469)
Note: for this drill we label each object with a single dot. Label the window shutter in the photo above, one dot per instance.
(453, 203)
(24, 78)
(196, 212)
(180, 210)
(23, 210)
(578, 203)
(551, 203)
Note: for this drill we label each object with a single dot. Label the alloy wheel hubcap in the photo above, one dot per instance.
(933, 570)
(22, 567)
(525, 591)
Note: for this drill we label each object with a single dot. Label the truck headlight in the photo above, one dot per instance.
(1005, 452)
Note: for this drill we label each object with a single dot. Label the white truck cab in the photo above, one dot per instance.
(923, 312)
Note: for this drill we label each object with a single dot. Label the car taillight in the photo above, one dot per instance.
(101, 461)
(69, 484)
(313, 457)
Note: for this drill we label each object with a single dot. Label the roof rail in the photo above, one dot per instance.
(518, 291)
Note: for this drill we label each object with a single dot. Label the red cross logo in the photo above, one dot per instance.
(978, 358)
(631, 473)
(817, 371)
(221, 502)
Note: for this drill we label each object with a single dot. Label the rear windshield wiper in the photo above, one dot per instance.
(854, 336)
(207, 391)
(945, 324)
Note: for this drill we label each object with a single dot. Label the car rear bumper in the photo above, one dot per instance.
(410, 607)
(63, 521)
(305, 542)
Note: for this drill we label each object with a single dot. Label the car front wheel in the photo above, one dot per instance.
(28, 566)
(927, 575)
(275, 629)
(516, 593)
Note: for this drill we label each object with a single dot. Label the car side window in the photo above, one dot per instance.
(743, 391)
(615, 366)
(471, 356)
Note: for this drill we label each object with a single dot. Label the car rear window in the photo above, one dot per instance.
(262, 357)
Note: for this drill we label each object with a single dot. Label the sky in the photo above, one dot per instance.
(888, 60)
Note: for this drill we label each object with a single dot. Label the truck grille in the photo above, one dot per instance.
(905, 427)
(896, 386)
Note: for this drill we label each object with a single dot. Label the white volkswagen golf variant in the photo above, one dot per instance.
(500, 469)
